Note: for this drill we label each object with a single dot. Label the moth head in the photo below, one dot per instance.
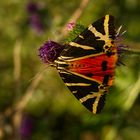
(109, 47)
(102, 88)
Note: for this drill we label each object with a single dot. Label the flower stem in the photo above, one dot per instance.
(132, 51)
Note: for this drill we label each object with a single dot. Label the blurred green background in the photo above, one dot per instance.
(34, 102)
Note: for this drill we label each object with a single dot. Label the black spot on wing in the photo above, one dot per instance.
(106, 79)
(109, 53)
(101, 103)
(89, 74)
(104, 65)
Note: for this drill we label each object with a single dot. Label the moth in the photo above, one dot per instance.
(87, 64)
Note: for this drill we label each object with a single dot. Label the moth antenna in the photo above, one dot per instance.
(123, 32)
(39, 73)
(118, 31)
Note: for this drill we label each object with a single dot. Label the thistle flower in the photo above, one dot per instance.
(36, 16)
(32, 7)
(26, 127)
(50, 51)
(35, 22)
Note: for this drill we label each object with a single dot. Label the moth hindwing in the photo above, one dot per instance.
(87, 64)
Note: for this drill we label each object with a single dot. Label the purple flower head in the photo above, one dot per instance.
(50, 51)
(35, 12)
(70, 26)
(26, 126)
(32, 7)
(35, 22)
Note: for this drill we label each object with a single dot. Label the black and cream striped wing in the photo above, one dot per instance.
(97, 38)
(86, 90)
